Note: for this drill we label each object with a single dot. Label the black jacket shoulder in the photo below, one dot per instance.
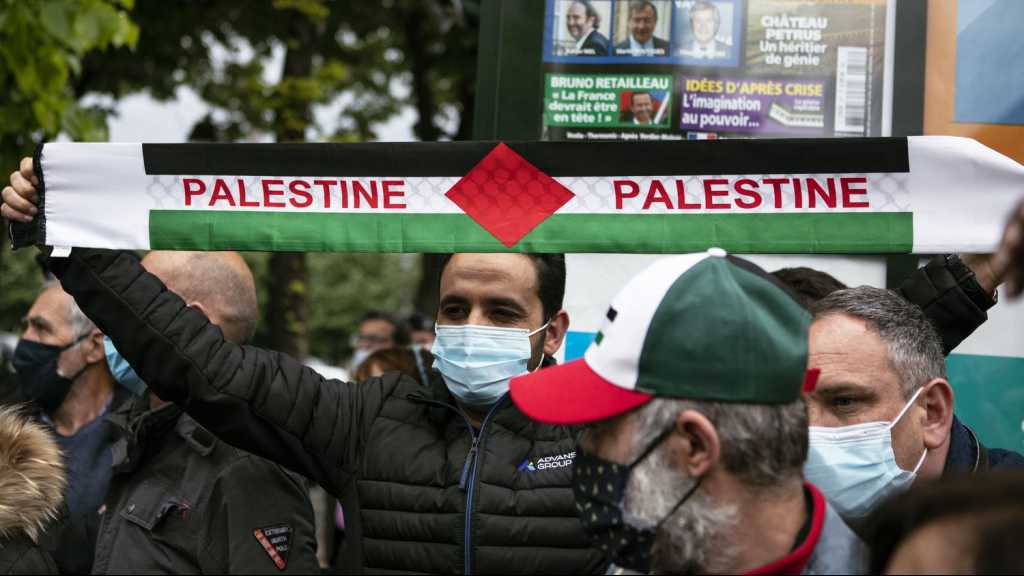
(967, 455)
(183, 501)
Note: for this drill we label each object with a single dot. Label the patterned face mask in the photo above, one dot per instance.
(600, 489)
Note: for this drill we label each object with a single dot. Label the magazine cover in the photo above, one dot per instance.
(704, 69)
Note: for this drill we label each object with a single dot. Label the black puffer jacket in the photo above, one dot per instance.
(435, 495)
(182, 502)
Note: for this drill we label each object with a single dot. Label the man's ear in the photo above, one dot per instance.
(937, 401)
(199, 306)
(92, 348)
(555, 332)
(695, 444)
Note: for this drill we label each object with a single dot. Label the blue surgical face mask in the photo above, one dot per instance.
(121, 370)
(477, 362)
(358, 357)
(855, 466)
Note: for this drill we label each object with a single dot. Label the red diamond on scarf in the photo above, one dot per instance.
(507, 195)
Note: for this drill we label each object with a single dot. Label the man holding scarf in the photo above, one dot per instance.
(446, 475)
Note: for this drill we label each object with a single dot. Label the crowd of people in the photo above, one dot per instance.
(724, 420)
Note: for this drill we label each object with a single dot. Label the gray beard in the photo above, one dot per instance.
(694, 539)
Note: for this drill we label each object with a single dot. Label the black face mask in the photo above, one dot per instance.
(600, 490)
(38, 379)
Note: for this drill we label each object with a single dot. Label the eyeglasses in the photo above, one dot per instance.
(370, 339)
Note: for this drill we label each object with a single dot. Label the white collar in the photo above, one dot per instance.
(579, 43)
(634, 45)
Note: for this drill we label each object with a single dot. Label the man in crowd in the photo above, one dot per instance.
(62, 372)
(967, 525)
(693, 461)
(377, 330)
(450, 455)
(882, 414)
(180, 500)
(643, 19)
(582, 21)
(641, 108)
(705, 21)
(421, 330)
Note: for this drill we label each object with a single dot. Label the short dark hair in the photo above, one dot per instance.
(638, 5)
(590, 11)
(633, 95)
(418, 321)
(809, 285)
(401, 332)
(993, 501)
(550, 279)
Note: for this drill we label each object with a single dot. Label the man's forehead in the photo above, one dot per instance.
(843, 342)
(838, 332)
(52, 301)
(52, 307)
(848, 352)
(376, 325)
(506, 271)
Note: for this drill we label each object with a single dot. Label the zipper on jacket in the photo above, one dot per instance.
(467, 479)
(471, 465)
(469, 462)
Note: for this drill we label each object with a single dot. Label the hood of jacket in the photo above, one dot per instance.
(33, 477)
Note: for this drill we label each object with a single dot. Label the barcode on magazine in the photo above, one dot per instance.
(851, 89)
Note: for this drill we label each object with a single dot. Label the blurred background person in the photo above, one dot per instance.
(8, 377)
(969, 525)
(377, 330)
(63, 373)
(421, 330)
(413, 362)
(32, 481)
(808, 285)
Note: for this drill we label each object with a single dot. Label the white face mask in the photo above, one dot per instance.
(855, 466)
(358, 357)
(477, 362)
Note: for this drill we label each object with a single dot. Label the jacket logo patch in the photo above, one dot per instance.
(276, 541)
(547, 462)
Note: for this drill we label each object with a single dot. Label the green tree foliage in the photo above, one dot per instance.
(268, 70)
(42, 45)
(20, 280)
(342, 287)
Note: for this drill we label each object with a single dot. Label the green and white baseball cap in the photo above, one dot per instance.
(705, 326)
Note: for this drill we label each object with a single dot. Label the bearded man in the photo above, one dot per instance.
(693, 462)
